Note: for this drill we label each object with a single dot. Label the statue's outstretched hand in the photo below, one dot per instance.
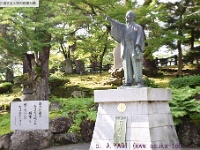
(108, 18)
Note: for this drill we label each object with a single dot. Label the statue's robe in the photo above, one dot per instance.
(118, 31)
(135, 34)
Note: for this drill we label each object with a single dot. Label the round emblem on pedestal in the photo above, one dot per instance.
(121, 107)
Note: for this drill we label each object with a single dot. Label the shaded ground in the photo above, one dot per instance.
(86, 146)
(80, 146)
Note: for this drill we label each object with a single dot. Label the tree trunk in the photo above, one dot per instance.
(192, 39)
(29, 77)
(180, 61)
(102, 55)
(9, 75)
(42, 87)
(104, 49)
(179, 42)
(36, 68)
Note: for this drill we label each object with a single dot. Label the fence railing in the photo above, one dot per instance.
(98, 68)
(173, 60)
(169, 61)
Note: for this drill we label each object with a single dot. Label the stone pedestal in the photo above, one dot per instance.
(149, 120)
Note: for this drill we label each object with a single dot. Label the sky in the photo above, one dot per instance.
(140, 2)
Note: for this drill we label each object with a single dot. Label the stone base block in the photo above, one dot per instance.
(149, 123)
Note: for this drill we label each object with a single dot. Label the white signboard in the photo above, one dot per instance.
(30, 115)
(19, 3)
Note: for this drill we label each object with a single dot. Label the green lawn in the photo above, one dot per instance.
(4, 123)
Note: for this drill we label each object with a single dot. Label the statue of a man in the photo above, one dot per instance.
(131, 38)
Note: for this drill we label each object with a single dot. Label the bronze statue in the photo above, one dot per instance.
(131, 38)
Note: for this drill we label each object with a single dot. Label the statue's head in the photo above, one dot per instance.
(130, 16)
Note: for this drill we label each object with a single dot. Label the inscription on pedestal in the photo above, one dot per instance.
(120, 130)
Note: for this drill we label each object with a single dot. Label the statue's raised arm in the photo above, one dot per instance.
(131, 38)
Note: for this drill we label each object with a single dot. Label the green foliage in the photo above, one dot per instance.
(184, 103)
(78, 109)
(59, 85)
(192, 55)
(150, 83)
(5, 87)
(38, 70)
(82, 23)
(21, 79)
(58, 79)
(4, 123)
(191, 81)
(55, 62)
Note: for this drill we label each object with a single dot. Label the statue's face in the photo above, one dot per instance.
(129, 17)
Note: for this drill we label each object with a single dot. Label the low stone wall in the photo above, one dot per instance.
(41, 139)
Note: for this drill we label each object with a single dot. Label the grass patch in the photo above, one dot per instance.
(4, 123)
(84, 83)
(162, 82)
(91, 81)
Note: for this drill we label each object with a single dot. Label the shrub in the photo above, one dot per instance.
(184, 103)
(5, 87)
(78, 109)
(149, 83)
(58, 84)
(57, 81)
(191, 81)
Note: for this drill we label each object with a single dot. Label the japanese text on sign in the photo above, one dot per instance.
(120, 130)
(19, 3)
(30, 115)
